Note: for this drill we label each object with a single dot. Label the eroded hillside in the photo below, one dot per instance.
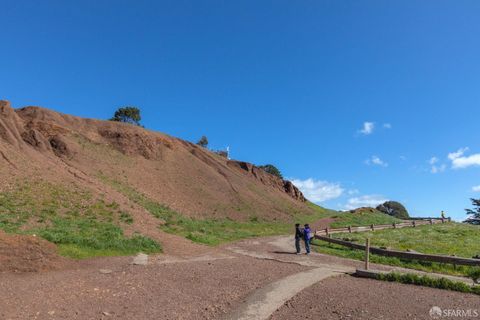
(146, 178)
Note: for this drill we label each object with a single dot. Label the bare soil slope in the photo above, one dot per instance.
(116, 162)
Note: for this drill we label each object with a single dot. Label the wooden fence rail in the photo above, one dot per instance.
(402, 254)
(412, 223)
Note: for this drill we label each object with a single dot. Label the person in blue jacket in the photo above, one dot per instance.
(307, 232)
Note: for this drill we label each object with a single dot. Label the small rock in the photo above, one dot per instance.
(105, 313)
(140, 259)
(105, 271)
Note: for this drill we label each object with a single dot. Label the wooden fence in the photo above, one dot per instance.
(403, 255)
(411, 223)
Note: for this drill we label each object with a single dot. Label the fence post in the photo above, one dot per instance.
(431, 221)
(367, 254)
(414, 223)
(373, 227)
(394, 225)
(326, 232)
(349, 229)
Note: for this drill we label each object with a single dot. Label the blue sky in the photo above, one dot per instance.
(358, 101)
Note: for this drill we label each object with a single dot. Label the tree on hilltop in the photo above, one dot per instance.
(203, 142)
(270, 168)
(394, 209)
(128, 114)
(474, 214)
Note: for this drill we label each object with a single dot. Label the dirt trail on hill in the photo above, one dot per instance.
(254, 279)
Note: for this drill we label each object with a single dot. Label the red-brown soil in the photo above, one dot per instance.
(21, 253)
(346, 297)
(37, 142)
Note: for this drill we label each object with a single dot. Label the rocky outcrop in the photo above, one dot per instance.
(268, 179)
(11, 126)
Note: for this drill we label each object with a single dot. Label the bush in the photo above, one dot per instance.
(203, 142)
(395, 209)
(128, 114)
(270, 168)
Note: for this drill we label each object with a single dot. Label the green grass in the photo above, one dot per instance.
(81, 225)
(426, 281)
(447, 239)
(362, 219)
(214, 231)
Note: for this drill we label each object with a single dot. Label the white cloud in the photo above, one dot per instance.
(458, 154)
(387, 125)
(459, 161)
(375, 160)
(317, 190)
(365, 201)
(436, 167)
(476, 189)
(368, 128)
(403, 158)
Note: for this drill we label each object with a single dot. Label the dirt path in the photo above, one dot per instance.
(263, 302)
(251, 279)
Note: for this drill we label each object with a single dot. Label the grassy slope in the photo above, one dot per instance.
(81, 225)
(452, 238)
(214, 231)
(362, 219)
(84, 226)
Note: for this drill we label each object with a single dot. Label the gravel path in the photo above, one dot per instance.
(266, 300)
(248, 278)
(160, 290)
(346, 297)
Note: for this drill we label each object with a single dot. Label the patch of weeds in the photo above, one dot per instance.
(426, 281)
(474, 273)
(84, 237)
(126, 217)
(80, 225)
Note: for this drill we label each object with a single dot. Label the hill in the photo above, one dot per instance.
(113, 186)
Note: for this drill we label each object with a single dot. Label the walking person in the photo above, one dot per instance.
(298, 237)
(307, 235)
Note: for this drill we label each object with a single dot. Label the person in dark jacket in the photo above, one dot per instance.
(307, 232)
(298, 237)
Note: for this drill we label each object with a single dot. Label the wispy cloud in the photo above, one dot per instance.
(368, 128)
(353, 191)
(435, 166)
(460, 161)
(387, 125)
(372, 200)
(317, 190)
(375, 160)
(476, 189)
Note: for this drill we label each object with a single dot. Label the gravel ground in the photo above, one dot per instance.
(346, 297)
(184, 290)
(212, 286)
